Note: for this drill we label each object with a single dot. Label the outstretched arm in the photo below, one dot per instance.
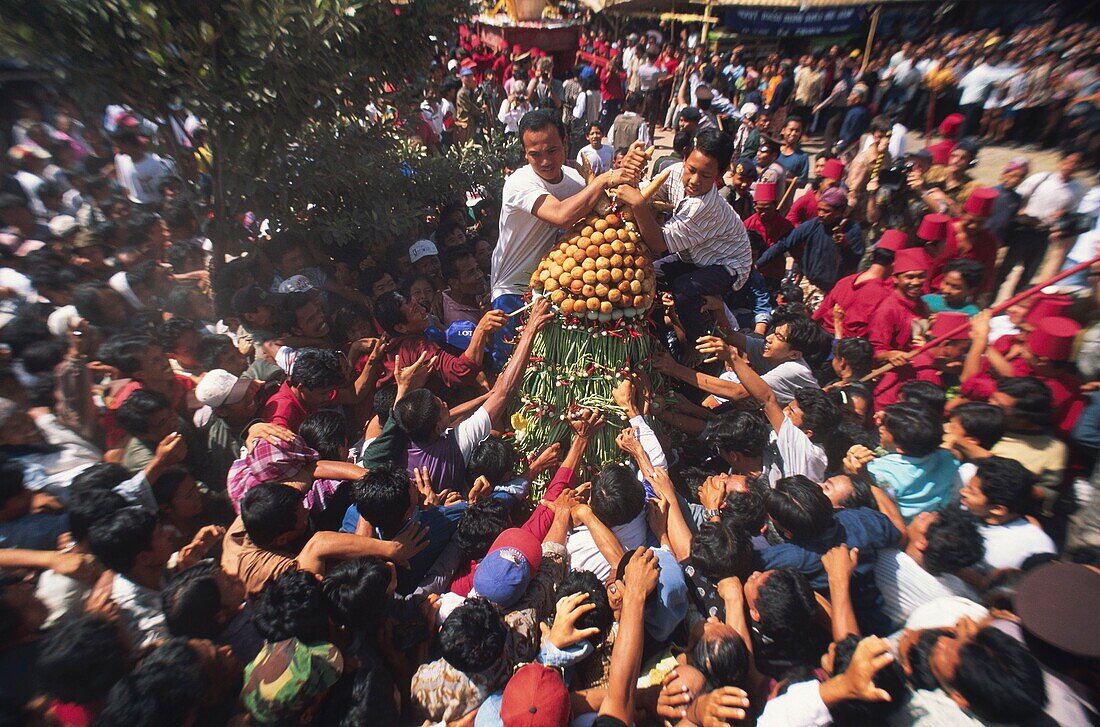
(759, 390)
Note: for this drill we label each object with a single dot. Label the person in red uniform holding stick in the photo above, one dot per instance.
(940, 365)
(772, 226)
(854, 299)
(898, 325)
(968, 238)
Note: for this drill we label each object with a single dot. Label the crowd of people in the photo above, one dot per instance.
(282, 486)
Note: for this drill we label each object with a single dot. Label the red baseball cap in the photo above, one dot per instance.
(535, 696)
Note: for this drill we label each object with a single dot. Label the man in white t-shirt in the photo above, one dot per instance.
(598, 154)
(139, 172)
(939, 544)
(797, 428)
(540, 199)
(998, 495)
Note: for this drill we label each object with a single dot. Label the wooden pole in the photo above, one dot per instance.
(706, 25)
(994, 310)
(870, 38)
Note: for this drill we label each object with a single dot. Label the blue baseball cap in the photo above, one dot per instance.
(504, 573)
(460, 333)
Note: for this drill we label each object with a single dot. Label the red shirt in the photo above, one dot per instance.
(920, 369)
(612, 85)
(983, 249)
(891, 325)
(450, 370)
(804, 208)
(772, 231)
(284, 409)
(115, 434)
(859, 302)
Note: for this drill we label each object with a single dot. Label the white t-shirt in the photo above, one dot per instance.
(584, 555)
(1009, 545)
(905, 586)
(142, 179)
(600, 159)
(525, 239)
(790, 452)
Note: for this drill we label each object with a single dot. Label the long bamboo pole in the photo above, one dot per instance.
(994, 310)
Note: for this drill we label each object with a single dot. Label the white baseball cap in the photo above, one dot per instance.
(422, 249)
(219, 388)
(296, 284)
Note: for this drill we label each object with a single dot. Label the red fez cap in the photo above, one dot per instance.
(764, 192)
(516, 50)
(893, 240)
(940, 151)
(980, 202)
(910, 259)
(1047, 305)
(833, 169)
(950, 126)
(1053, 338)
(933, 228)
(947, 321)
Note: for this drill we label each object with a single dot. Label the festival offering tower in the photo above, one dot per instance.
(600, 281)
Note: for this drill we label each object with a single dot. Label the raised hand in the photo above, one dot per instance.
(408, 543)
(642, 572)
(172, 449)
(549, 458)
(564, 633)
(839, 562)
(586, 422)
(480, 490)
(416, 374)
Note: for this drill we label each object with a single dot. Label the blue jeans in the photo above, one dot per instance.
(504, 340)
(688, 284)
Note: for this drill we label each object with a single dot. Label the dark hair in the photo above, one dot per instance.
(746, 510)
(449, 259)
(1000, 679)
(919, 655)
(356, 593)
(327, 432)
(11, 480)
(192, 602)
(81, 658)
(169, 332)
(269, 510)
(617, 496)
(210, 348)
(742, 432)
(682, 142)
(317, 368)
(473, 636)
(417, 414)
(136, 409)
(787, 609)
(798, 505)
(984, 422)
(382, 496)
(118, 540)
(820, 413)
(971, 271)
(926, 394)
(369, 277)
(388, 313)
(292, 606)
(166, 486)
(281, 243)
(722, 549)
(858, 353)
(99, 476)
(371, 699)
(805, 336)
(541, 120)
(954, 542)
(1005, 482)
(791, 292)
(87, 506)
(882, 256)
(723, 662)
(494, 458)
(716, 145)
(914, 428)
(601, 617)
(179, 253)
(163, 690)
(1034, 404)
(478, 527)
(384, 401)
(890, 679)
(124, 352)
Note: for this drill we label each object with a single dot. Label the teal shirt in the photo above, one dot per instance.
(917, 484)
(937, 304)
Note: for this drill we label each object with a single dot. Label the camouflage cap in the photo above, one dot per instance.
(286, 676)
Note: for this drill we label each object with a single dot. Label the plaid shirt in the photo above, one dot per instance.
(281, 462)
